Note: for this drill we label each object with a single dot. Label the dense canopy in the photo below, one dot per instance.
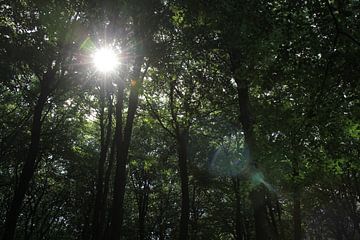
(169, 119)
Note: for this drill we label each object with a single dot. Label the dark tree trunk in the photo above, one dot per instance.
(141, 226)
(258, 202)
(239, 230)
(143, 206)
(106, 217)
(161, 225)
(122, 146)
(296, 201)
(272, 220)
(99, 208)
(195, 214)
(28, 168)
(118, 142)
(182, 141)
(258, 194)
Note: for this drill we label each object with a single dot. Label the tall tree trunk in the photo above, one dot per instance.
(182, 141)
(296, 200)
(258, 202)
(118, 142)
(99, 208)
(106, 217)
(160, 218)
(258, 194)
(239, 230)
(28, 168)
(143, 206)
(195, 214)
(122, 146)
(272, 220)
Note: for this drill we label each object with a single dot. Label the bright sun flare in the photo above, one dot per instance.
(105, 60)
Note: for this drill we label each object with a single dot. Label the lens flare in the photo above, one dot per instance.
(105, 60)
(232, 164)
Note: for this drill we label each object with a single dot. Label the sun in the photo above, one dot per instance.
(105, 60)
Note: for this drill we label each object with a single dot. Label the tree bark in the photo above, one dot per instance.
(239, 230)
(272, 220)
(258, 194)
(143, 207)
(28, 168)
(122, 146)
(118, 172)
(106, 218)
(194, 209)
(99, 208)
(296, 201)
(258, 201)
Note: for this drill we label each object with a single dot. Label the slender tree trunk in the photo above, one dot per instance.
(122, 146)
(258, 202)
(100, 169)
(28, 168)
(106, 217)
(99, 208)
(182, 141)
(143, 206)
(160, 217)
(239, 231)
(296, 201)
(258, 194)
(118, 142)
(194, 220)
(272, 221)
(141, 223)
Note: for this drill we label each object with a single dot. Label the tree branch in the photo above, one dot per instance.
(157, 117)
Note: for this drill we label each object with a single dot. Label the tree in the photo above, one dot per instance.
(222, 120)
(46, 71)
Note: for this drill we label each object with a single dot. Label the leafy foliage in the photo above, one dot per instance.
(181, 62)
